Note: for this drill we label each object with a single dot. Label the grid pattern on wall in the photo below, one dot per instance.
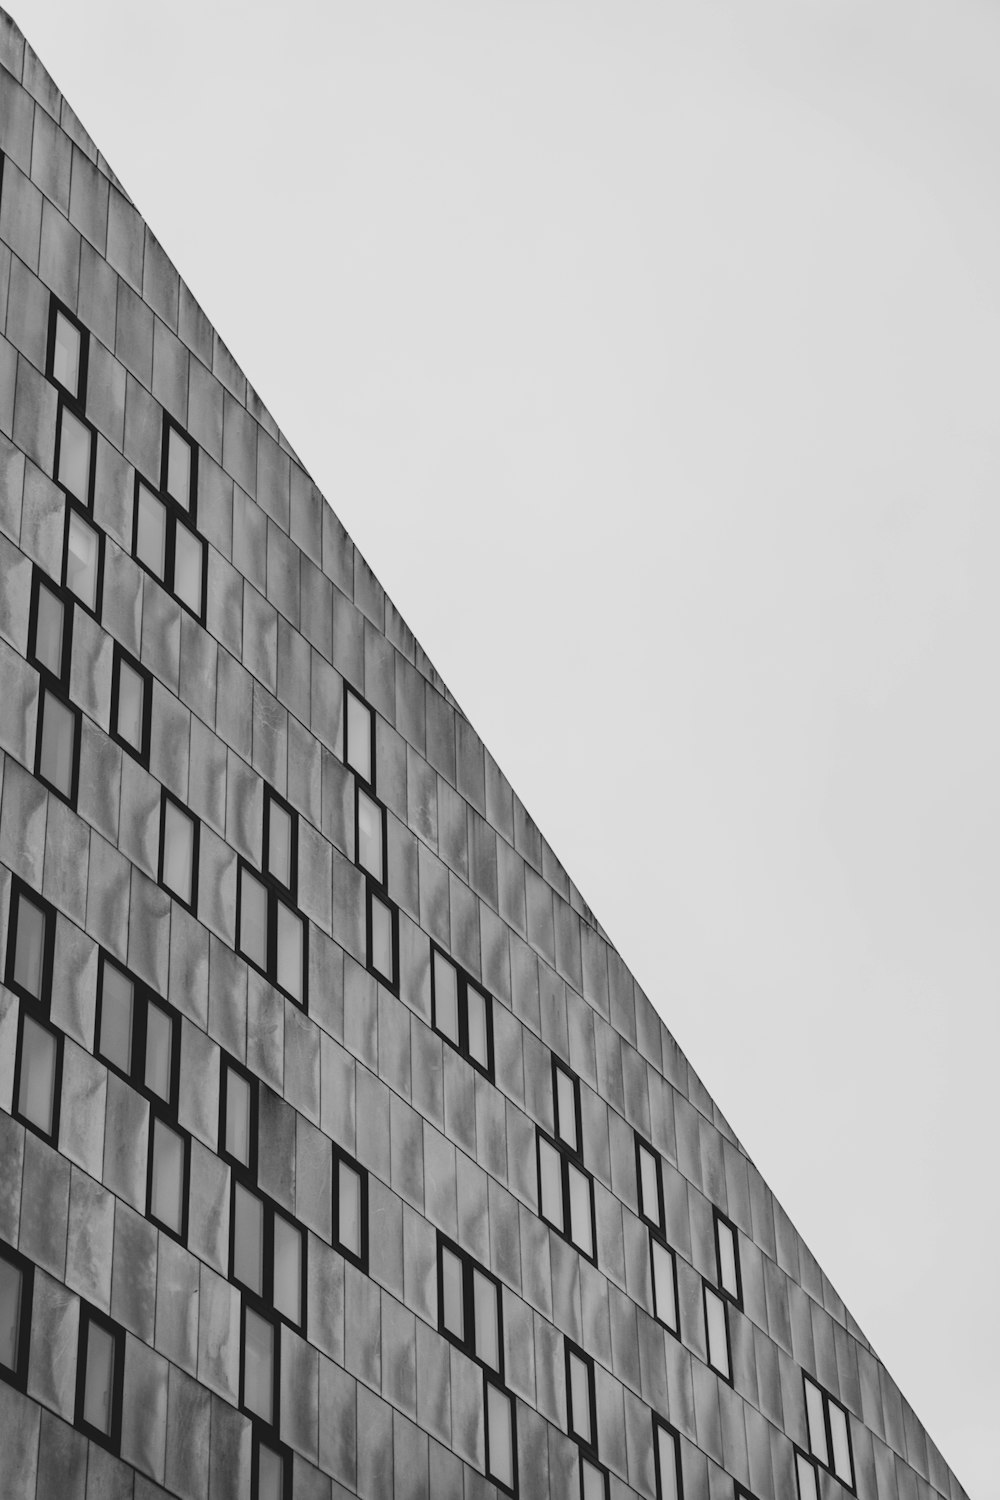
(339, 1151)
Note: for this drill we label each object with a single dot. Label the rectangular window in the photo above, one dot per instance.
(501, 1442)
(717, 1332)
(31, 931)
(350, 1209)
(371, 838)
(807, 1477)
(566, 1099)
(164, 539)
(649, 1178)
(383, 939)
(270, 933)
(581, 1404)
(131, 705)
(469, 1306)
(259, 1367)
(664, 1276)
(461, 1012)
(67, 352)
(57, 745)
(829, 1433)
(179, 831)
(16, 1282)
(83, 562)
(75, 455)
(238, 1117)
(137, 1034)
(667, 1453)
(727, 1254)
(169, 1173)
(38, 1076)
(281, 842)
(267, 1254)
(50, 629)
(359, 737)
(593, 1480)
(99, 1378)
(272, 1470)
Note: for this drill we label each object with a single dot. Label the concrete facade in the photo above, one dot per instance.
(340, 1154)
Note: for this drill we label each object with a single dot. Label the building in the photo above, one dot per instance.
(339, 1152)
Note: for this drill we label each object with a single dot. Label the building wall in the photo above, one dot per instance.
(248, 685)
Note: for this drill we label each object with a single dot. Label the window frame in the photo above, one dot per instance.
(462, 982)
(174, 515)
(79, 396)
(263, 1301)
(165, 797)
(359, 1259)
(181, 1234)
(806, 1460)
(21, 891)
(589, 1460)
(246, 1172)
(657, 1225)
(250, 1305)
(658, 1425)
(558, 1066)
(48, 690)
(586, 1446)
(661, 1240)
(171, 425)
(26, 1014)
(121, 656)
(275, 896)
(40, 580)
(17, 1376)
(362, 790)
(722, 1226)
(291, 890)
(512, 1488)
(566, 1158)
(95, 611)
(707, 1291)
(470, 1268)
(829, 1400)
(374, 893)
(269, 1440)
(90, 1315)
(143, 996)
(76, 410)
(351, 692)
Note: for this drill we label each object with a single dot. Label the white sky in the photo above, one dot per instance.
(649, 353)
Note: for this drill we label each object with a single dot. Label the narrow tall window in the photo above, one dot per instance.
(270, 932)
(469, 1306)
(829, 1433)
(38, 1076)
(806, 1476)
(566, 1095)
(238, 1123)
(67, 352)
(179, 465)
(100, 1378)
(717, 1333)
(359, 737)
(727, 1252)
(169, 1170)
(16, 1282)
(83, 564)
(131, 705)
(667, 1452)
(272, 1470)
(259, 1371)
(461, 1012)
(371, 851)
(179, 851)
(30, 942)
(50, 632)
(581, 1404)
(664, 1270)
(57, 748)
(383, 938)
(649, 1175)
(164, 536)
(501, 1445)
(137, 1034)
(350, 1209)
(75, 455)
(565, 1188)
(593, 1480)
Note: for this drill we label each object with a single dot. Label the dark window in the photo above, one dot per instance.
(168, 1177)
(50, 630)
(259, 1366)
(75, 460)
(164, 539)
(383, 938)
(131, 705)
(462, 1012)
(83, 560)
(829, 1433)
(31, 934)
(178, 871)
(272, 1470)
(350, 1208)
(663, 1268)
(649, 1177)
(501, 1436)
(566, 1108)
(67, 353)
(267, 1253)
(57, 744)
(727, 1256)
(667, 1453)
(565, 1187)
(371, 850)
(807, 1476)
(99, 1378)
(593, 1480)
(717, 1332)
(17, 1277)
(581, 1402)
(38, 1075)
(469, 1306)
(359, 737)
(271, 934)
(281, 842)
(137, 1033)
(50, 644)
(238, 1117)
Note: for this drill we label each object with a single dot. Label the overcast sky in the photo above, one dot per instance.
(649, 352)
